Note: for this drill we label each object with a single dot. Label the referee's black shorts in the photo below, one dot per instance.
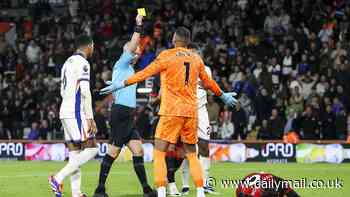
(122, 123)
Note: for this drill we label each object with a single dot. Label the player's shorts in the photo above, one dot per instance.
(122, 123)
(75, 130)
(171, 128)
(203, 123)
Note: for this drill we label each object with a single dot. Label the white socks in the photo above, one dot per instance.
(75, 178)
(161, 192)
(185, 174)
(205, 162)
(200, 192)
(86, 155)
(75, 162)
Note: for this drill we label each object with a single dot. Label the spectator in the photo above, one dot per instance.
(44, 130)
(328, 129)
(33, 52)
(309, 128)
(264, 103)
(34, 133)
(291, 121)
(4, 133)
(226, 127)
(239, 120)
(263, 131)
(341, 125)
(275, 125)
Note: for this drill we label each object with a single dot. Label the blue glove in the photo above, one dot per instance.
(229, 99)
(112, 87)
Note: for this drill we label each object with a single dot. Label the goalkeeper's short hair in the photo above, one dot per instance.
(183, 34)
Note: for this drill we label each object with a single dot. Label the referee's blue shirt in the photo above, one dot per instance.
(122, 70)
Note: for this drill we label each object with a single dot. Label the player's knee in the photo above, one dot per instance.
(91, 143)
(203, 148)
(113, 151)
(73, 146)
(161, 145)
(190, 148)
(171, 147)
(137, 151)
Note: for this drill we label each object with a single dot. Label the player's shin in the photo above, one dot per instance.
(87, 154)
(195, 169)
(160, 172)
(173, 164)
(185, 174)
(205, 162)
(106, 165)
(75, 178)
(141, 173)
(170, 163)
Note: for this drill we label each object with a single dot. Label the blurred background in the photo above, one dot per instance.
(288, 60)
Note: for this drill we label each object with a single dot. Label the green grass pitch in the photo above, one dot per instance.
(29, 179)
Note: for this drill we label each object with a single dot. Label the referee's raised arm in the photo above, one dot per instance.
(131, 46)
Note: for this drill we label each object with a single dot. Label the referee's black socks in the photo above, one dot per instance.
(141, 173)
(106, 165)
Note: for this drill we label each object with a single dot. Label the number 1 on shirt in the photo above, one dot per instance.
(187, 75)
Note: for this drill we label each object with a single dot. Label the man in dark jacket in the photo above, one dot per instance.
(239, 120)
(309, 126)
(275, 125)
(328, 124)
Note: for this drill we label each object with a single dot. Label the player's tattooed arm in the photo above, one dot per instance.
(131, 46)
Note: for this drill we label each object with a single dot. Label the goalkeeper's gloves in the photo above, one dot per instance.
(112, 87)
(229, 99)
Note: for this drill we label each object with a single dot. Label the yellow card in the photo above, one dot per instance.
(141, 11)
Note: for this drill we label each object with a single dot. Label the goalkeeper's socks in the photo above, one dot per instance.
(141, 173)
(104, 171)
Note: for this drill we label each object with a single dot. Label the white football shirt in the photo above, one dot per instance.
(75, 88)
(201, 92)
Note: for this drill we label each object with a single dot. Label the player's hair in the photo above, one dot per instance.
(83, 41)
(183, 35)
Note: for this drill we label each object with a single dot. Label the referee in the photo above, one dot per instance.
(123, 132)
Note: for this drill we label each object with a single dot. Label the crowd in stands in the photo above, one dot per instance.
(287, 60)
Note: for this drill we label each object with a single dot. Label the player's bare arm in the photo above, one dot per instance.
(131, 46)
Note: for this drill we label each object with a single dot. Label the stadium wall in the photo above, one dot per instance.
(220, 151)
